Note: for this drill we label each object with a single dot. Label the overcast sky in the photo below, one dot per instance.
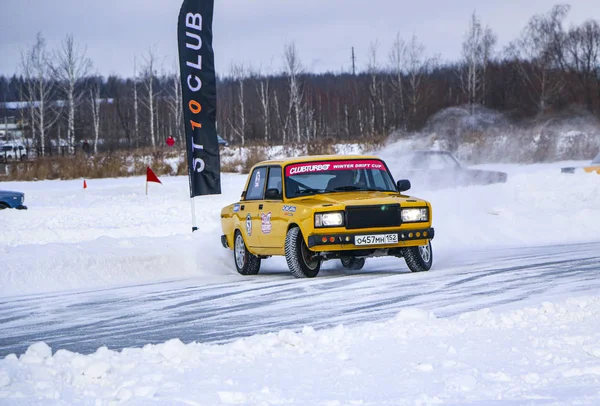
(254, 32)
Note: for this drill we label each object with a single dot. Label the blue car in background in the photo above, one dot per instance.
(12, 200)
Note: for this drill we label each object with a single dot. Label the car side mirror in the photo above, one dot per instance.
(243, 196)
(403, 185)
(272, 194)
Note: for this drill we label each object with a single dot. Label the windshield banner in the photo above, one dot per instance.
(325, 166)
(199, 93)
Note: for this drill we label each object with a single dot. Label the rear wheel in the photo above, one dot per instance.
(419, 259)
(245, 262)
(352, 263)
(303, 263)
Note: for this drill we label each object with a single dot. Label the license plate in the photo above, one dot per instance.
(376, 239)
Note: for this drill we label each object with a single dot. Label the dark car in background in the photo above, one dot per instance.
(12, 200)
(441, 169)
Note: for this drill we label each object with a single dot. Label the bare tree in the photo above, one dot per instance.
(175, 105)
(536, 52)
(36, 69)
(398, 58)
(293, 69)
(582, 57)
(282, 124)
(417, 67)
(487, 44)
(136, 115)
(71, 67)
(262, 90)
(238, 74)
(377, 98)
(95, 101)
(476, 50)
(149, 76)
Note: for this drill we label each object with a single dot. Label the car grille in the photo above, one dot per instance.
(387, 215)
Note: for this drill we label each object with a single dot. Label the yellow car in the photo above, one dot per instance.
(312, 209)
(594, 166)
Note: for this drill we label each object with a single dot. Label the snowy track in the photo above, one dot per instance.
(508, 314)
(273, 300)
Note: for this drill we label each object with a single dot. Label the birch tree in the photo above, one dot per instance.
(375, 91)
(293, 69)
(175, 105)
(94, 94)
(35, 65)
(398, 60)
(476, 51)
(149, 77)
(417, 67)
(264, 97)
(71, 67)
(238, 74)
(136, 116)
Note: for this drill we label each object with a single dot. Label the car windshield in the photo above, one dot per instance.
(309, 178)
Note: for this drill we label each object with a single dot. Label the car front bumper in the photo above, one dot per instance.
(348, 239)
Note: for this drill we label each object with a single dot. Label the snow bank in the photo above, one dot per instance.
(549, 353)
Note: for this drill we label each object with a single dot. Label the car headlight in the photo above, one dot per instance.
(331, 219)
(415, 215)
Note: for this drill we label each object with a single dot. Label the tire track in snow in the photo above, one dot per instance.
(153, 313)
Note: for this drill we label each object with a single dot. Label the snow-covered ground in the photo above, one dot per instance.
(76, 246)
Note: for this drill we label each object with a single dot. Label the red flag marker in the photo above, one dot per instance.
(151, 177)
(84, 184)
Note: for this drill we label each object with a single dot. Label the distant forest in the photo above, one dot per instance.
(547, 69)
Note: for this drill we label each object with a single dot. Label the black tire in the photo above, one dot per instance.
(3, 206)
(353, 263)
(419, 259)
(297, 256)
(245, 262)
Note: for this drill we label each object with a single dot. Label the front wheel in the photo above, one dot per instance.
(245, 262)
(419, 259)
(352, 263)
(303, 263)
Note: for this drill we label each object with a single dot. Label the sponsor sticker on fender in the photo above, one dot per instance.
(265, 223)
(312, 167)
(249, 224)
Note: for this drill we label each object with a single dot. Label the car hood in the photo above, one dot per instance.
(343, 199)
(8, 193)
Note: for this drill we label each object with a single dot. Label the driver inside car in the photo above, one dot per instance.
(341, 179)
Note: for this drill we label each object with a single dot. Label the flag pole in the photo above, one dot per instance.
(146, 186)
(194, 226)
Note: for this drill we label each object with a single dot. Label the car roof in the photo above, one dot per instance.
(312, 158)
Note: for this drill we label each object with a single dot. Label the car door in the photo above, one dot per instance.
(251, 206)
(273, 219)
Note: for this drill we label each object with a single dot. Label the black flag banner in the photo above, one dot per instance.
(199, 92)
